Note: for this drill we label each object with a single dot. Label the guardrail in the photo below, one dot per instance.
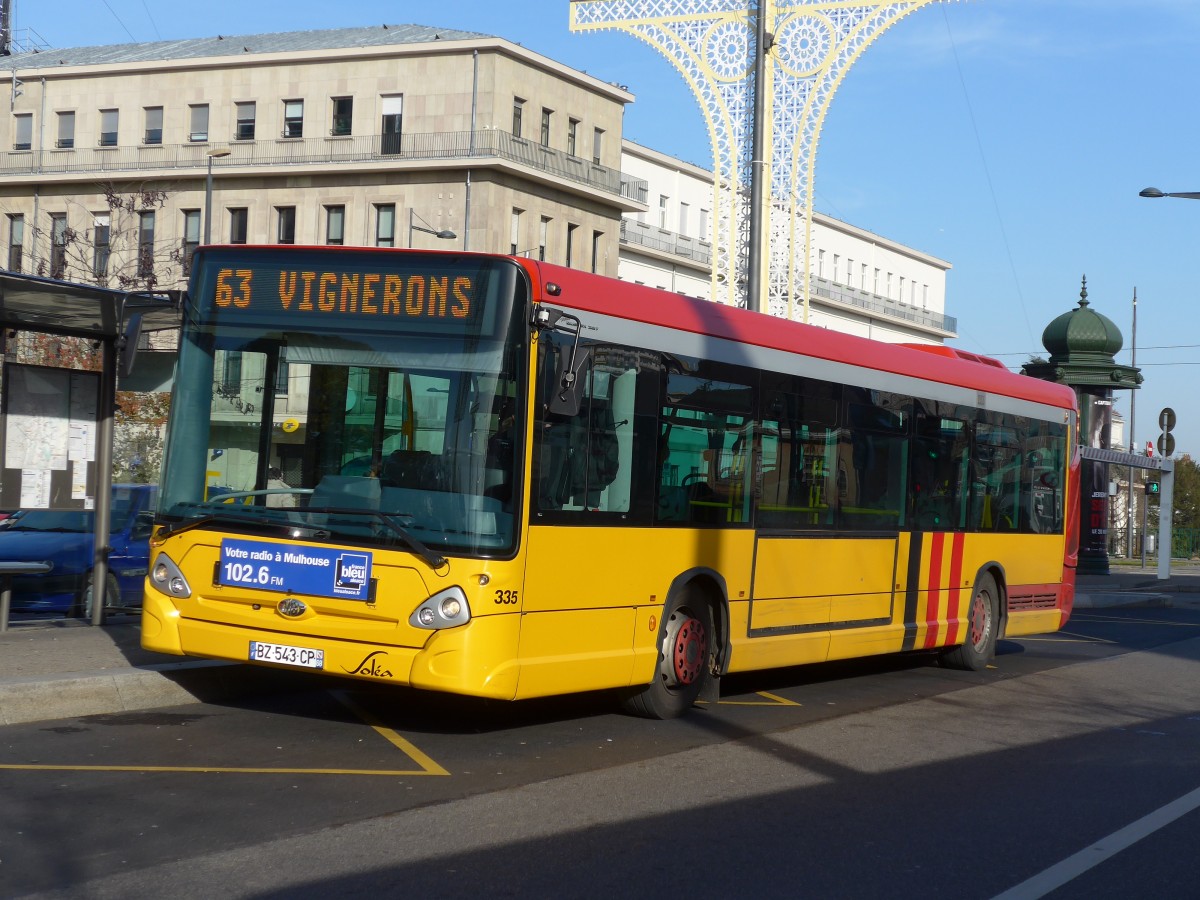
(376, 148)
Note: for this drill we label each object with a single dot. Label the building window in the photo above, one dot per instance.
(393, 119)
(385, 225)
(662, 210)
(684, 209)
(837, 268)
(572, 136)
(862, 278)
(286, 232)
(246, 113)
(16, 242)
(596, 237)
(231, 372)
(597, 144)
(543, 237)
(343, 113)
(820, 263)
(145, 261)
(58, 245)
(282, 371)
(703, 235)
(191, 237)
(154, 120)
(875, 284)
(239, 220)
(198, 119)
(514, 231)
(100, 244)
(66, 130)
(518, 111)
(108, 127)
(23, 131)
(335, 225)
(900, 295)
(545, 137)
(293, 118)
(571, 243)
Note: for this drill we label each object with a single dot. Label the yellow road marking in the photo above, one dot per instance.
(426, 764)
(214, 769)
(775, 699)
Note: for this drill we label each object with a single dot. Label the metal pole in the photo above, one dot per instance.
(1130, 442)
(208, 204)
(755, 294)
(1145, 525)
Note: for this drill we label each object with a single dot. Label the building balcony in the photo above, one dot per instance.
(841, 295)
(667, 242)
(451, 146)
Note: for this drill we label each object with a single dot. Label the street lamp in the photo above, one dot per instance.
(1155, 193)
(212, 154)
(445, 234)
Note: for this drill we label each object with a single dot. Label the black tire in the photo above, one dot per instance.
(983, 626)
(112, 596)
(685, 659)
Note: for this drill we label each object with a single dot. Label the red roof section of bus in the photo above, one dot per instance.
(607, 296)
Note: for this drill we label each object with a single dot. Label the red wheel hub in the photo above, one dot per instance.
(979, 620)
(689, 648)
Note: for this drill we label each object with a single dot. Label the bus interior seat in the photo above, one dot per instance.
(409, 468)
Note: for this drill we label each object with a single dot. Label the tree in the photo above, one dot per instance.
(1186, 500)
(119, 250)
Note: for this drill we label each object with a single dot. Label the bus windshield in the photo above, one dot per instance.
(363, 396)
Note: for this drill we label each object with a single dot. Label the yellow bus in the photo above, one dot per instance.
(495, 477)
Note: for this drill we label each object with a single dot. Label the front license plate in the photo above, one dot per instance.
(260, 651)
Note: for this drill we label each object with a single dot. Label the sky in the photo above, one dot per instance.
(1008, 137)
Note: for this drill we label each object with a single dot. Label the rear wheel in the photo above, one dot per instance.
(685, 643)
(112, 596)
(983, 618)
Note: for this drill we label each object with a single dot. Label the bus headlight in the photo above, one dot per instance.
(445, 609)
(166, 578)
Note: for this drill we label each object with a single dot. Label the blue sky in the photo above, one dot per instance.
(1009, 137)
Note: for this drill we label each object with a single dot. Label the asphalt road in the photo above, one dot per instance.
(1051, 774)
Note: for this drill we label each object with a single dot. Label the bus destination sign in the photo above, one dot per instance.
(429, 297)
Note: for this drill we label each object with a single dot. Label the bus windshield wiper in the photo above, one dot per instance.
(432, 559)
(205, 519)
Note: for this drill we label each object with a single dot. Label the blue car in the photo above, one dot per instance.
(64, 539)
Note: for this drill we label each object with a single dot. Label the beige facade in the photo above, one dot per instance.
(371, 136)
(861, 283)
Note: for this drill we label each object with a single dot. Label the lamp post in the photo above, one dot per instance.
(1155, 193)
(445, 234)
(212, 154)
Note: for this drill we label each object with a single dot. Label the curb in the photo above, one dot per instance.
(24, 700)
(1115, 599)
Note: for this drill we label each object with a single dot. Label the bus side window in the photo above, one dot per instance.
(873, 463)
(584, 463)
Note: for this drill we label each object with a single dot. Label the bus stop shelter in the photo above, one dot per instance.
(114, 321)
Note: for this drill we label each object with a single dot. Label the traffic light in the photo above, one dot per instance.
(1151, 488)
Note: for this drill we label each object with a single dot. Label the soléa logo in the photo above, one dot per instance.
(351, 573)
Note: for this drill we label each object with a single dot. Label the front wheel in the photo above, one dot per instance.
(983, 617)
(685, 659)
(112, 596)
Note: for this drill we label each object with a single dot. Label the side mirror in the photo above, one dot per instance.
(570, 383)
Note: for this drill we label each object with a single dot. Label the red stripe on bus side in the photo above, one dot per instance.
(955, 595)
(935, 592)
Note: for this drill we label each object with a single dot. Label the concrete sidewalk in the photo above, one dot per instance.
(63, 668)
(58, 668)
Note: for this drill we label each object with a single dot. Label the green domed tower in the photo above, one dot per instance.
(1082, 344)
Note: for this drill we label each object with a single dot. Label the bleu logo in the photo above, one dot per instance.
(352, 571)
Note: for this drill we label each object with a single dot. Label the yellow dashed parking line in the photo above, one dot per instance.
(425, 764)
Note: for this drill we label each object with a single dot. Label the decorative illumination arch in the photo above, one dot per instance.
(712, 44)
